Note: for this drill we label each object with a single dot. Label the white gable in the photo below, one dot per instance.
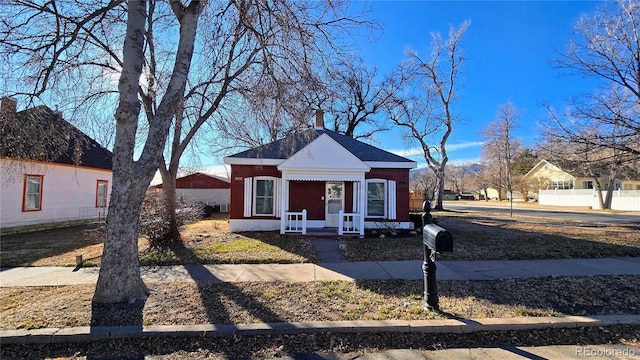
(323, 154)
(547, 170)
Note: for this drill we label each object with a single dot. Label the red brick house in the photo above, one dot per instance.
(318, 179)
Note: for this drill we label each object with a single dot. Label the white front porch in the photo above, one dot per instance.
(297, 222)
(337, 215)
(324, 160)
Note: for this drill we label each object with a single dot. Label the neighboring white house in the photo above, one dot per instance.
(557, 187)
(40, 190)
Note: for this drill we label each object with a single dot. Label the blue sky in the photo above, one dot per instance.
(508, 45)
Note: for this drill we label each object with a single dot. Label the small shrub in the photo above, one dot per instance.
(155, 222)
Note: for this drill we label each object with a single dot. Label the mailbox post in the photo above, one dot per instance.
(434, 239)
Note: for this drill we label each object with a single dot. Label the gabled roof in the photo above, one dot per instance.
(195, 181)
(40, 134)
(542, 163)
(321, 155)
(572, 171)
(284, 148)
(199, 174)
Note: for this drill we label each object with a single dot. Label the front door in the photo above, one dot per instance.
(334, 202)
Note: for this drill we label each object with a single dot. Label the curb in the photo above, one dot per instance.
(451, 326)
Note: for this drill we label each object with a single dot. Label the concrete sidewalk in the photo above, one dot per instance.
(447, 270)
(363, 270)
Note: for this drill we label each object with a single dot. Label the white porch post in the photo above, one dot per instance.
(363, 199)
(284, 204)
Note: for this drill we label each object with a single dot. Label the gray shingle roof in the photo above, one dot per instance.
(284, 148)
(41, 134)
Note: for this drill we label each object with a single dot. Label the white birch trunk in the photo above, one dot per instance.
(119, 279)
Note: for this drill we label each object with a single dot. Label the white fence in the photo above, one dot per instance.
(348, 223)
(295, 222)
(628, 200)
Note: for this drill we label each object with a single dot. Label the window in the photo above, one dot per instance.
(587, 184)
(32, 197)
(101, 193)
(264, 196)
(376, 198)
(561, 185)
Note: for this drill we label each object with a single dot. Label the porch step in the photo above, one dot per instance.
(327, 250)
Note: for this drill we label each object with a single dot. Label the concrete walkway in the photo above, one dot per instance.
(362, 270)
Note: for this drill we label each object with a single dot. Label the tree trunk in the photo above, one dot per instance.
(170, 201)
(598, 190)
(119, 279)
(440, 191)
(609, 197)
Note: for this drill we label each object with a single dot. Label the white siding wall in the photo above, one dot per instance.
(68, 193)
(209, 196)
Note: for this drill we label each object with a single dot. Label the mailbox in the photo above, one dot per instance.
(437, 239)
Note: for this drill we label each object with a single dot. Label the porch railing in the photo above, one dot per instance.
(348, 223)
(294, 222)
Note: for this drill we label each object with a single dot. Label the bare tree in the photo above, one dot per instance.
(602, 127)
(459, 177)
(54, 41)
(423, 182)
(427, 114)
(501, 147)
(259, 64)
(355, 97)
(482, 178)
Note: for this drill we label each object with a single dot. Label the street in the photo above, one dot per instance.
(600, 217)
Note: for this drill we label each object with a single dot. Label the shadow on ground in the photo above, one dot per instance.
(24, 249)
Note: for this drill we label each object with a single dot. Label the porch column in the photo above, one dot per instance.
(284, 204)
(363, 199)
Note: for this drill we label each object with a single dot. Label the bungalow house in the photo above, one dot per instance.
(555, 186)
(552, 177)
(52, 173)
(486, 193)
(204, 188)
(318, 179)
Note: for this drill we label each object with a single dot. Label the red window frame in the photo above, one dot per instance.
(24, 192)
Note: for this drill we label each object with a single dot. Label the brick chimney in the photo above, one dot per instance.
(9, 105)
(319, 119)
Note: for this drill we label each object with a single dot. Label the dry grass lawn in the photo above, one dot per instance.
(209, 241)
(255, 302)
(501, 238)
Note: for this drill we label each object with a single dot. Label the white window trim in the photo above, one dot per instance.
(385, 198)
(274, 196)
(106, 194)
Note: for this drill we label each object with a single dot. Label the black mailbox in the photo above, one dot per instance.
(437, 239)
